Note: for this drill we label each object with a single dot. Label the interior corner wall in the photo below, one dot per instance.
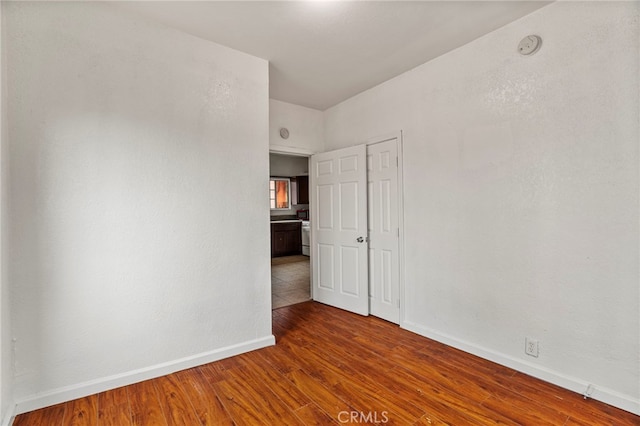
(6, 354)
(305, 125)
(138, 185)
(521, 194)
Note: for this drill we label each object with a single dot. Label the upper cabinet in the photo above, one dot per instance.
(302, 183)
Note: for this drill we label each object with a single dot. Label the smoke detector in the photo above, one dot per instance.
(529, 45)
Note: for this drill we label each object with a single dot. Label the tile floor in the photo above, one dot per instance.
(290, 280)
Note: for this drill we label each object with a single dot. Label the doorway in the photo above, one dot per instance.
(356, 256)
(290, 266)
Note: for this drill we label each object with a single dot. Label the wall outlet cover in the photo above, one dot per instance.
(531, 347)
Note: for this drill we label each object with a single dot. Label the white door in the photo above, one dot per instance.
(384, 230)
(339, 229)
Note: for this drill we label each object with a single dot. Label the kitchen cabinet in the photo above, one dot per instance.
(286, 239)
(303, 189)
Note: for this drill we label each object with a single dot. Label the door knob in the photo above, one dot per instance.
(360, 240)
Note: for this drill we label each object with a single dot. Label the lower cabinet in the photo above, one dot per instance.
(286, 239)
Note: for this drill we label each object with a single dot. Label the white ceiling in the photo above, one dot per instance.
(323, 52)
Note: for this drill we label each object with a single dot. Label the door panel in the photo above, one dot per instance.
(349, 206)
(324, 207)
(383, 227)
(350, 279)
(325, 268)
(339, 227)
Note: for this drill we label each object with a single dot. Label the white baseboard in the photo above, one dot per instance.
(608, 396)
(7, 420)
(91, 387)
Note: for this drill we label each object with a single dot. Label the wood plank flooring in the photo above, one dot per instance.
(332, 367)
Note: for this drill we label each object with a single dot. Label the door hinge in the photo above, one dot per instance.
(398, 303)
(397, 162)
(398, 232)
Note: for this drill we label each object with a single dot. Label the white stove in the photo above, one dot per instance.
(306, 229)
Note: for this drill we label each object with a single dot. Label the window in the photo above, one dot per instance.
(280, 193)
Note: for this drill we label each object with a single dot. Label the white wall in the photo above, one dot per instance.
(288, 166)
(305, 125)
(6, 354)
(132, 222)
(521, 194)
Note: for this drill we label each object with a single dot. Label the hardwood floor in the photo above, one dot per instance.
(332, 367)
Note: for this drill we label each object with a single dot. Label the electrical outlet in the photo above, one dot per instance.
(531, 347)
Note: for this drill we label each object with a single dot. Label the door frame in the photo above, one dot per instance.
(398, 135)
